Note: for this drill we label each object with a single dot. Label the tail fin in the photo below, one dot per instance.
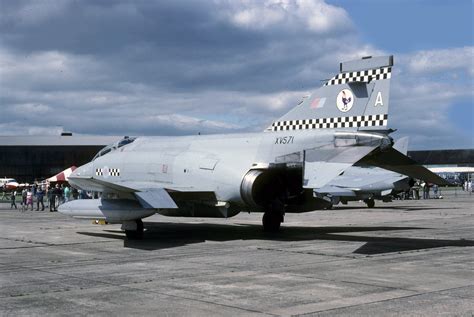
(355, 99)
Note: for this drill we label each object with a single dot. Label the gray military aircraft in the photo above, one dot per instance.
(275, 172)
(368, 183)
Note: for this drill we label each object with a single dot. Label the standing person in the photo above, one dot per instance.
(23, 197)
(59, 196)
(67, 193)
(48, 194)
(435, 191)
(416, 190)
(52, 198)
(39, 198)
(75, 193)
(13, 198)
(57, 193)
(29, 198)
(4, 191)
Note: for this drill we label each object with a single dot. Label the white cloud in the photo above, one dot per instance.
(316, 16)
(424, 94)
(191, 123)
(234, 66)
(30, 13)
(29, 108)
(13, 128)
(264, 16)
(48, 68)
(442, 60)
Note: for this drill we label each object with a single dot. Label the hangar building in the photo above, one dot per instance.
(29, 158)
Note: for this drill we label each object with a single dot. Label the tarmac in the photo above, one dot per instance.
(405, 258)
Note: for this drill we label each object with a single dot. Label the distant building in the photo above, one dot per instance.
(444, 157)
(27, 158)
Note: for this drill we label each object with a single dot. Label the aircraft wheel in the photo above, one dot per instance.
(370, 203)
(135, 234)
(271, 221)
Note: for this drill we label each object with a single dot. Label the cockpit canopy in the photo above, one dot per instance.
(112, 147)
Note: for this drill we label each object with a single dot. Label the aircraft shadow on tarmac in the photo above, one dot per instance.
(168, 235)
(380, 208)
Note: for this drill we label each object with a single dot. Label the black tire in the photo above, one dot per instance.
(271, 222)
(135, 234)
(370, 203)
(140, 226)
(132, 235)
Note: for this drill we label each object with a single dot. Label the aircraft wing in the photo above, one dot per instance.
(337, 191)
(397, 162)
(157, 198)
(360, 177)
(321, 165)
(149, 194)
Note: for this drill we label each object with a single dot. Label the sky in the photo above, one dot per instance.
(227, 66)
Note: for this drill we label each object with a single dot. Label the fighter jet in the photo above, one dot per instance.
(368, 183)
(275, 172)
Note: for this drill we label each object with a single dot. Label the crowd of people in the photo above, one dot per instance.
(42, 194)
(47, 195)
(425, 188)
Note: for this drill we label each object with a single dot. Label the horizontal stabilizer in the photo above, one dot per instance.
(155, 199)
(401, 145)
(324, 164)
(397, 162)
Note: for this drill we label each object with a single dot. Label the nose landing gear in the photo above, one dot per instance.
(133, 229)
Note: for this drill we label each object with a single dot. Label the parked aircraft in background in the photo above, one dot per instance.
(62, 176)
(9, 184)
(368, 183)
(275, 172)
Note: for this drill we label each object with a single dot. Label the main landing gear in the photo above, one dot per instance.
(273, 216)
(370, 202)
(271, 221)
(133, 229)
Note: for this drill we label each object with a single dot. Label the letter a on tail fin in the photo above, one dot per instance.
(357, 98)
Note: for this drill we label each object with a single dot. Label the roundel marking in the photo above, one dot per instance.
(345, 100)
(105, 171)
